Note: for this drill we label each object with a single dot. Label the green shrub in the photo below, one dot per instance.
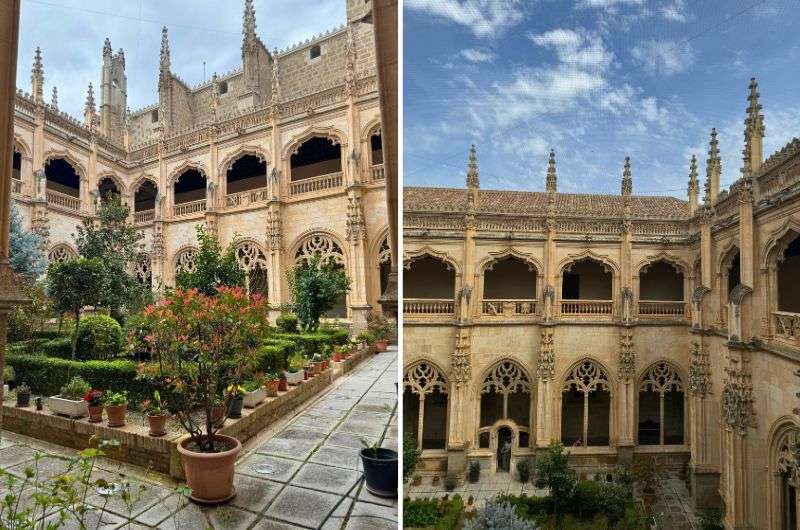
(60, 347)
(311, 343)
(287, 323)
(432, 513)
(99, 337)
(8, 374)
(75, 389)
(497, 514)
(48, 374)
(286, 346)
(587, 499)
(529, 508)
(450, 483)
(411, 454)
(270, 359)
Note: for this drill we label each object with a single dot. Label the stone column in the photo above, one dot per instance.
(545, 370)
(356, 237)
(626, 394)
(703, 470)
(459, 402)
(10, 294)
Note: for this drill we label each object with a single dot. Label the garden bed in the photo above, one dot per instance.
(160, 454)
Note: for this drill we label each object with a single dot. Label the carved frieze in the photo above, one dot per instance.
(545, 368)
(699, 370)
(627, 356)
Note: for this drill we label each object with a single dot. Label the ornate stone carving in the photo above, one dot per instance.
(627, 357)
(274, 233)
(546, 365)
(158, 245)
(60, 254)
(320, 245)
(144, 271)
(587, 377)
(356, 228)
(250, 257)
(506, 378)
(185, 261)
(661, 378)
(788, 457)
(699, 370)
(461, 363)
(423, 378)
(384, 252)
(738, 404)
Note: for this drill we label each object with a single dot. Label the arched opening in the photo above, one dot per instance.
(16, 164)
(144, 271)
(384, 265)
(782, 489)
(661, 290)
(248, 172)
(504, 440)
(506, 395)
(190, 192)
(61, 177)
(428, 286)
(586, 406)
(788, 502)
(425, 406)
(788, 274)
(734, 272)
(586, 288)
(329, 251)
(661, 406)
(509, 288)
(316, 157)
(376, 148)
(145, 197)
(108, 190)
(253, 261)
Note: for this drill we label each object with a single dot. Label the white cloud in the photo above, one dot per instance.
(576, 48)
(485, 18)
(477, 56)
(610, 5)
(664, 57)
(675, 11)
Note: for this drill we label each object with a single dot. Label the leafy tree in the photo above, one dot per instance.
(27, 320)
(315, 288)
(214, 267)
(553, 468)
(75, 284)
(24, 252)
(498, 516)
(118, 244)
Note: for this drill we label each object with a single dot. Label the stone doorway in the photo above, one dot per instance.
(504, 443)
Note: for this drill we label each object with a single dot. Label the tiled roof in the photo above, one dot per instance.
(451, 200)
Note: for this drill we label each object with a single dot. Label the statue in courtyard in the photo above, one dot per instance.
(504, 458)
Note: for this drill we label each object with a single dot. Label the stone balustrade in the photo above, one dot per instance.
(587, 308)
(428, 306)
(314, 184)
(145, 216)
(62, 200)
(245, 198)
(376, 173)
(16, 186)
(787, 325)
(663, 309)
(189, 208)
(509, 308)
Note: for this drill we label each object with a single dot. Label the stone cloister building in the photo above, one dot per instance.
(621, 325)
(284, 152)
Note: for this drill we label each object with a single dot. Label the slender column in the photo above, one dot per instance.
(545, 369)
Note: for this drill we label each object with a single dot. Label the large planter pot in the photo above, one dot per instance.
(251, 399)
(283, 384)
(67, 407)
(380, 471)
(381, 345)
(294, 378)
(158, 424)
(235, 407)
(23, 400)
(273, 387)
(95, 413)
(116, 415)
(210, 475)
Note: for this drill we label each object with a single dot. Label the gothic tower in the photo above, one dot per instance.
(113, 93)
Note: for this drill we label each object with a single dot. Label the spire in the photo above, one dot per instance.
(552, 179)
(753, 132)
(248, 26)
(54, 100)
(472, 169)
(627, 180)
(164, 76)
(121, 57)
(107, 48)
(713, 170)
(37, 76)
(275, 77)
(694, 185)
(89, 109)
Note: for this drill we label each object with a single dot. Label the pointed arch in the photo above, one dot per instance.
(505, 390)
(782, 471)
(61, 252)
(116, 179)
(324, 241)
(22, 147)
(726, 255)
(586, 387)
(369, 128)
(409, 256)
(184, 166)
(778, 240)
(489, 261)
(588, 374)
(337, 136)
(53, 154)
(184, 259)
(680, 265)
(661, 408)
(141, 179)
(608, 263)
(425, 402)
(240, 151)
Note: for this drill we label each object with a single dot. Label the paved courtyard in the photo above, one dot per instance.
(305, 473)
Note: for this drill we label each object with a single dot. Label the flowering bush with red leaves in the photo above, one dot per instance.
(94, 398)
(201, 345)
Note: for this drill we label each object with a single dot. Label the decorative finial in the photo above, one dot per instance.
(121, 57)
(627, 180)
(713, 169)
(248, 25)
(472, 169)
(37, 76)
(753, 131)
(694, 184)
(552, 179)
(275, 77)
(90, 99)
(54, 99)
(164, 76)
(350, 61)
(107, 48)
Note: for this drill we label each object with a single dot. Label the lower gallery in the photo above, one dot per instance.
(620, 325)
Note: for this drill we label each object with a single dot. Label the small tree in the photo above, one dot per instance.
(75, 284)
(498, 515)
(214, 267)
(411, 455)
(553, 468)
(315, 288)
(24, 250)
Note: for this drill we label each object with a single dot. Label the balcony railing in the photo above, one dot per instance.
(16, 186)
(428, 306)
(63, 200)
(662, 309)
(243, 198)
(376, 173)
(189, 208)
(145, 216)
(508, 308)
(587, 308)
(313, 184)
(787, 325)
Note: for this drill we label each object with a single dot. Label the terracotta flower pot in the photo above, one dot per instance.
(381, 345)
(317, 368)
(158, 424)
(210, 475)
(337, 357)
(116, 415)
(274, 386)
(95, 413)
(282, 383)
(305, 374)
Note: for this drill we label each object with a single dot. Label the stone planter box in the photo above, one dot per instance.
(67, 407)
(294, 378)
(251, 399)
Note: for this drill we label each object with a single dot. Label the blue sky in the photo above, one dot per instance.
(597, 80)
(71, 35)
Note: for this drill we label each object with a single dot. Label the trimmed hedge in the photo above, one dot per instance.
(271, 359)
(99, 337)
(46, 375)
(311, 343)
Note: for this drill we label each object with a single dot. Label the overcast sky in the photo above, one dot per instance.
(71, 34)
(597, 80)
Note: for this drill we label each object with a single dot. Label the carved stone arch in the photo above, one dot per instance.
(116, 179)
(410, 256)
(293, 145)
(240, 151)
(184, 259)
(141, 179)
(173, 175)
(588, 374)
(489, 261)
(783, 439)
(61, 252)
(53, 154)
(21, 147)
(565, 264)
(662, 376)
(250, 255)
(320, 241)
(504, 376)
(377, 244)
(143, 270)
(370, 128)
(778, 241)
(727, 254)
(677, 263)
(423, 376)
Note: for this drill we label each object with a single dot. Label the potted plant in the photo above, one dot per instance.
(474, 471)
(326, 357)
(116, 408)
(94, 403)
(157, 414)
(23, 395)
(203, 345)
(69, 402)
(645, 473)
(316, 360)
(283, 383)
(272, 383)
(295, 374)
(236, 401)
(380, 327)
(380, 469)
(8, 376)
(254, 392)
(524, 470)
(365, 338)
